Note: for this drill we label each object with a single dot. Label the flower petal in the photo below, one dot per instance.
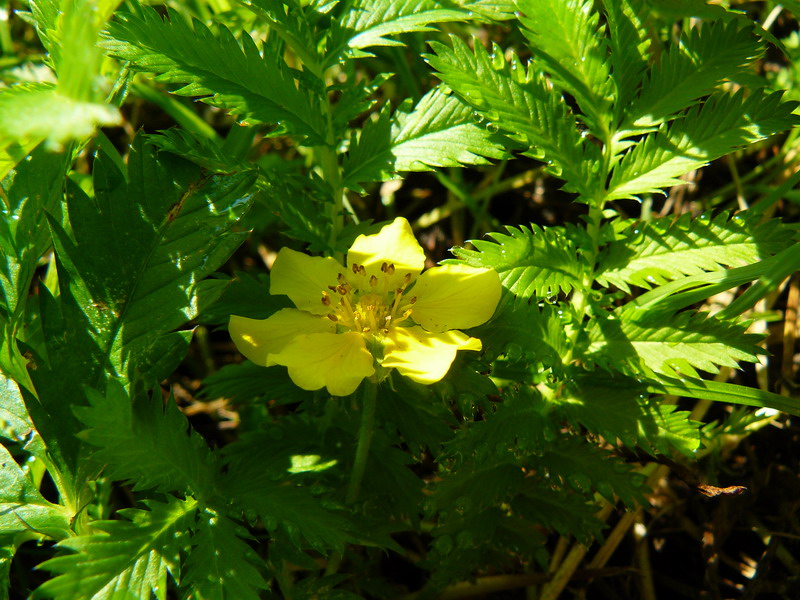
(422, 356)
(455, 297)
(394, 244)
(258, 338)
(337, 361)
(303, 278)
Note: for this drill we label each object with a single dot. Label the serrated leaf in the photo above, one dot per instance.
(567, 44)
(248, 382)
(720, 125)
(522, 105)
(630, 49)
(126, 560)
(33, 188)
(131, 262)
(439, 132)
(221, 566)
(651, 343)
(704, 58)
(148, 442)
(531, 261)
(23, 508)
(15, 422)
(219, 70)
(52, 115)
(649, 254)
(373, 22)
(619, 408)
(584, 468)
(524, 331)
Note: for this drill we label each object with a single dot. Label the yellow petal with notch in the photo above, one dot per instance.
(423, 356)
(303, 278)
(258, 338)
(395, 244)
(455, 297)
(338, 362)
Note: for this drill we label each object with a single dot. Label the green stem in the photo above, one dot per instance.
(369, 403)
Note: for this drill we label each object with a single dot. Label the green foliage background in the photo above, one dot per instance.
(119, 248)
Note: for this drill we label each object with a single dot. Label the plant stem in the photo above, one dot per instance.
(369, 396)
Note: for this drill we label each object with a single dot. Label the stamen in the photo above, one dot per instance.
(390, 269)
(326, 299)
(413, 300)
(361, 270)
(355, 269)
(384, 267)
(332, 317)
(373, 281)
(341, 289)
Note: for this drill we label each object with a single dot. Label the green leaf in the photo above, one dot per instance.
(219, 70)
(629, 43)
(530, 261)
(221, 566)
(720, 125)
(524, 331)
(22, 507)
(585, 468)
(15, 422)
(51, 115)
(126, 559)
(373, 22)
(29, 191)
(567, 44)
(704, 57)
(639, 342)
(148, 442)
(132, 260)
(649, 254)
(620, 408)
(520, 102)
(439, 132)
(249, 383)
(720, 391)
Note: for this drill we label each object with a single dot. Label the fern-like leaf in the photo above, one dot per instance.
(221, 565)
(649, 254)
(146, 442)
(530, 261)
(667, 344)
(620, 408)
(722, 124)
(130, 556)
(567, 44)
(217, 69)
(704, 58)
(439, 132)
(521, 104)
(373, 22)
(629, 44)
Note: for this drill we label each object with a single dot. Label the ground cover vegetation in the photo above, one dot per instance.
(399, 299)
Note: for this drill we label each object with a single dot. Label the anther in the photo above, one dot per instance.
(390, 269)
(355, 268)
(413, 300)
(373, 281)
(341, 289)
(332, 288)
(326, 299)
(332, 317)
(361, 270)
(407, 279)
(384, 267)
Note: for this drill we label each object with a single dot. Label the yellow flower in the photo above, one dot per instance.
(377, 314)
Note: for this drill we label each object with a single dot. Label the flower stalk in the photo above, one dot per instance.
(369, 393)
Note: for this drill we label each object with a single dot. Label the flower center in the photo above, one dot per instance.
(368, 304)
